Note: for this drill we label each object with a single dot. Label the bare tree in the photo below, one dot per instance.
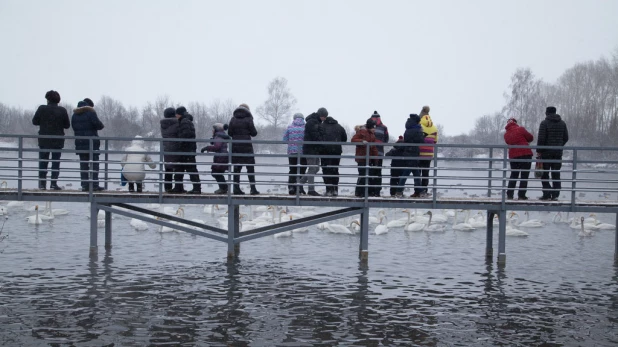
(279, 104)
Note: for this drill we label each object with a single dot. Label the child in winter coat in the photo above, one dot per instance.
(397, 166)
(294, 134)
(221, 159)
(133, 168)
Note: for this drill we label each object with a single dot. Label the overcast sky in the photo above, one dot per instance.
(352, 57)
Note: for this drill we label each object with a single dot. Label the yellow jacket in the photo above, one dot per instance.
(431, 136)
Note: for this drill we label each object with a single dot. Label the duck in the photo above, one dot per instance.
(36, 219)
(584, 231)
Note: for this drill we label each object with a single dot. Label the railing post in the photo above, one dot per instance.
(20, 167)
(490, 173)
(489, 248)
(364, 235)
(502, 238)
(435, 173)
(94, 213)
(162, 170)
(367, 172)
(230, 174)
(297, 177)
(573, 180)
(106, 162)
(505, 155)
(90, 164)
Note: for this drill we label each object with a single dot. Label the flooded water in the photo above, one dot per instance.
(428, 289)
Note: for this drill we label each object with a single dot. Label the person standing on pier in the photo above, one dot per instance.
(169, 129)
(133, 168)
(294, 134)
(242, 128)
(382, 136)
(220, 162)
(427, 152)
(85, 122)
(552, 132)
(332, 131)
(186, 130)
(413, 135)
(397, 166)
(365, 135)
(51, 120)
(312, 134)
(520, 158)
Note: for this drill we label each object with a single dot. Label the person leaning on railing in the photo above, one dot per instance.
(312, 134)
(413, 135)
(426, 152)
(382, 136)
(220, 162)
(365, 136)
(331, 132)
(552, 132)
(397, 166)
(186, 130)
(294, 135)
(169, 130)
(241, 127)
(51, 120)
(520, 162)
(85, 122)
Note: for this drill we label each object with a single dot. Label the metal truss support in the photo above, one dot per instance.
(364, 235)
(502, 238)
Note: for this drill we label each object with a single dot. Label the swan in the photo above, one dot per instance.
(414, 226)
(381, 228)
(461, 226)
(15, 204)
(335, 228)
(601, 226)
(54, 211)
(4, 185)
(153, 206)
(511, 231)
(478, 222)
(138, 224)
(210, 209)
(583, 231)
(377, 219)
(355, 225)
(575, 223)
(180, 212)
(299, 230)
(398, 223)
(36, 219)
(436, 228)
(530, 223)
(437, 217)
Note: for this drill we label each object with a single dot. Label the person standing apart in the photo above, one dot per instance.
(242, 128)
(413, 135)
(552, 132)
(186, 130)
(86, 123)
(133, 168)
(312, 135)
(331, 132)
(169, 129)
(382, 136)
(365, 135)
(427, 152)
(520, 158)
(51, 120)
(294, 135)
(220, 162)
(397, 165)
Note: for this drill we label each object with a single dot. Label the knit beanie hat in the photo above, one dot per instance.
(426, 121)
(322, 112)
(370, 124)
(219, 126)
(415, 118)
(89, 102)
(181, 111)
(511, 121)
(81, 104)
(375, 114)
(298, 115)
(550, 110)
(169, 113)
(245, 106)
(425, 110)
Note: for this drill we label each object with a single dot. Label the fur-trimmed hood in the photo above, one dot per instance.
(83, 109)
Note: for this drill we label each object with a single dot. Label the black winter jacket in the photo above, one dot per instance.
(552, 132)
(169, 130)
(331, 131)
(52, 120)
(312, 133)
(241, 127)
(186, 130)
(413, 134)
(85, 122)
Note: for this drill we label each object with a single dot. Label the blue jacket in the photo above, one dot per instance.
(85, 122)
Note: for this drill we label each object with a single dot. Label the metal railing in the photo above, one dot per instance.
(456, 171)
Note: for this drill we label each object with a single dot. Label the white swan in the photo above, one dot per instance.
(381, 228)
(138, 224)
(511, 231)
(354, 225)
(54, 211)
(584, 232)
(601, 226)
(438, 217)
(15, 204)
(414, 227)
(461, 226)
(530, 223)
(36, 219)
(398, 223)
(377, 219)
(479, 221)
(435, 228)
(335, 228)
(180, 212)
(299, 230)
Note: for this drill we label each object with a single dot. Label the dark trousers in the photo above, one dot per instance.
(519, 168)
(376, 179)
(330, 173)
(361, 183)
(187, 164)
(55, 165)
(394, 182)
(218, 176)
(168, 177)
(294, 171)
(84, 167)
(424, 167)
(138, 184)
(551, 188)
(250, 175)
(414, 170)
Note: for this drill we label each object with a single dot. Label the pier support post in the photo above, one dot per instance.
(233, 230)
(94, 211)
(616, 241)
(364, 235)
(502, 238)
(489, 248)
(108, 230)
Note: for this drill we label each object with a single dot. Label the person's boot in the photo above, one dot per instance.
(42, 184)
(335, 191)
(178, 189)
(54, 185)
(301, 190)
(131, 187)
(253, 190)
(237, 190)
(139, 187)
(197, 189)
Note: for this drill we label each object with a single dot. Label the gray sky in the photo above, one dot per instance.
(352, 57)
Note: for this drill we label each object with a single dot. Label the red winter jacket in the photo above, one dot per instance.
(516, 135)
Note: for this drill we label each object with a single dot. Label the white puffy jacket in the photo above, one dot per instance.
(133, 163)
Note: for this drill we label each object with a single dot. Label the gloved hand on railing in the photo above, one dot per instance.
(203, 150)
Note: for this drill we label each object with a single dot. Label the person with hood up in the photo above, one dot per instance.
(382, 136)
(397, 166)
(169, 130)
(413, 135)
(242, 128)
(427, 152)
(520, 158)
(294, 135)
(51, 120)
(220, 162)
(552, 132)
(133, 168)
(312, 134)
(365, 135)
(187, 163)
(331, 132)
(86, 123)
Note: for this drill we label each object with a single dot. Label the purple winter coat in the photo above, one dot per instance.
(220, 149)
